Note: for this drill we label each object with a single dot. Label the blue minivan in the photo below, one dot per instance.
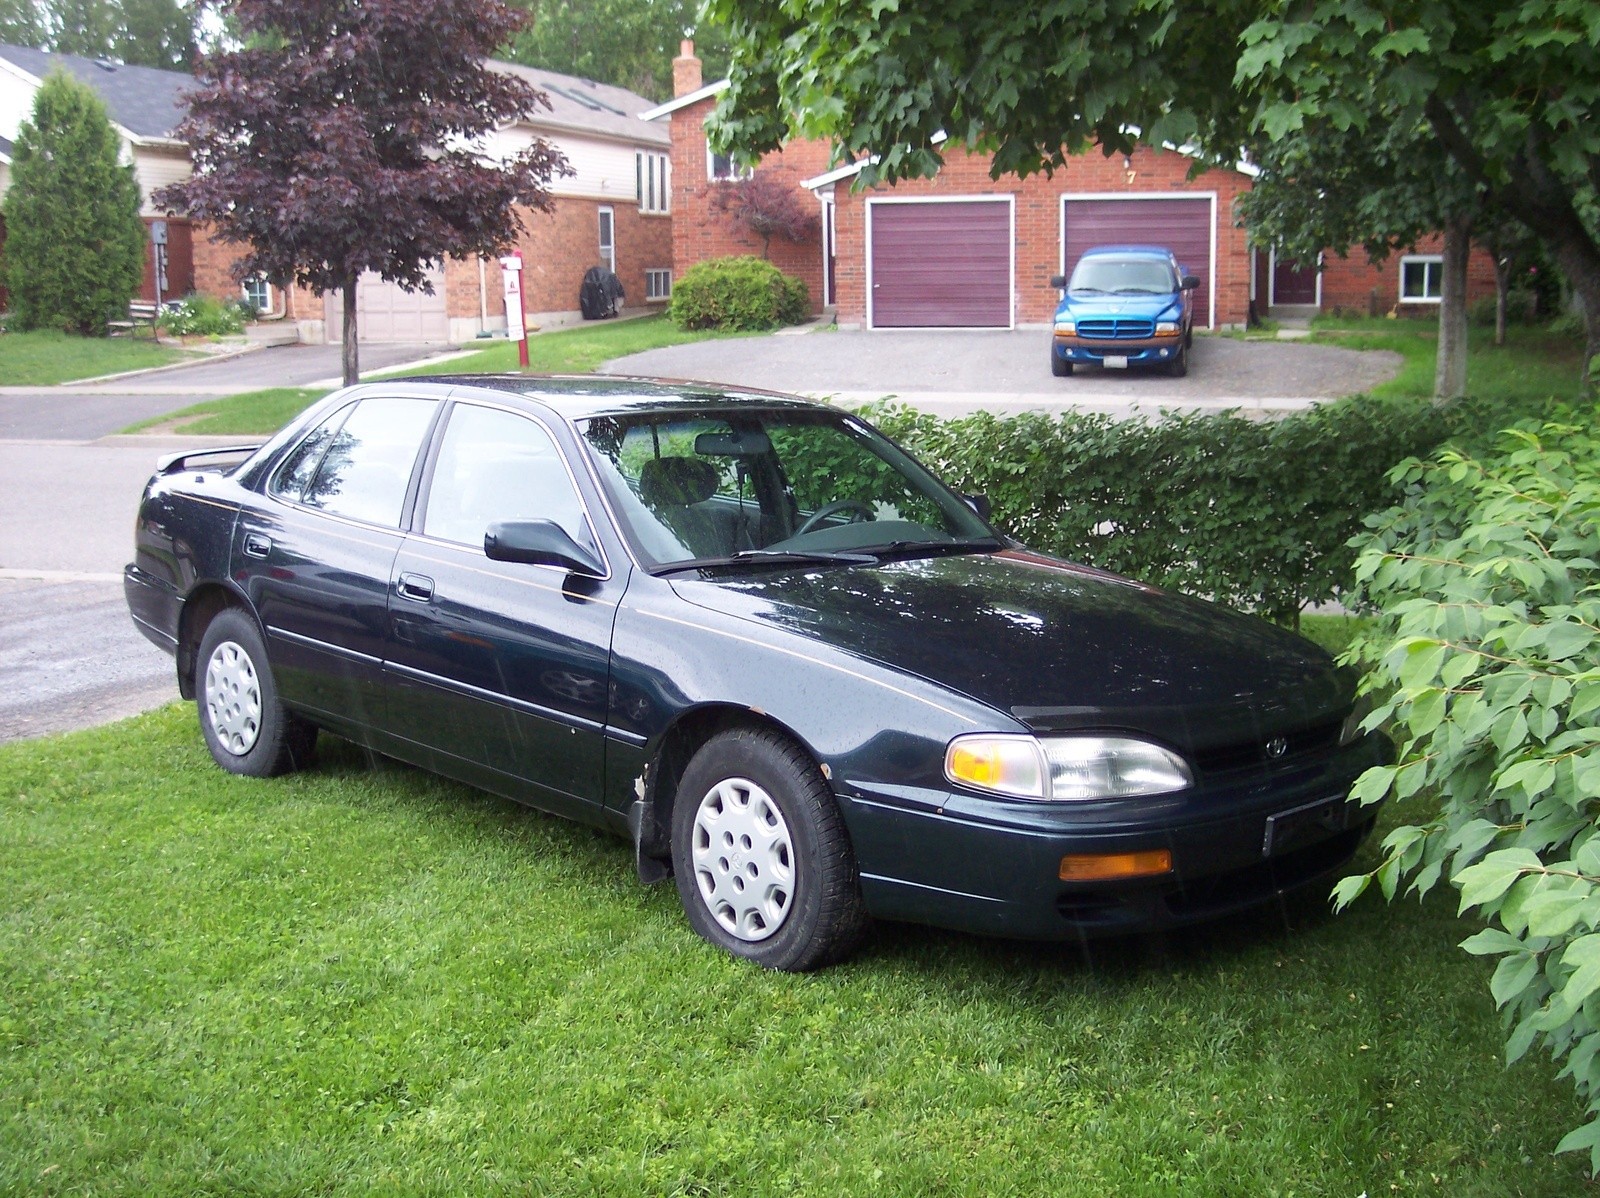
(1125, 305)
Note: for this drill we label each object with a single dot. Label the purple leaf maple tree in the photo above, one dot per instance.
(767, 204)
(343, 136)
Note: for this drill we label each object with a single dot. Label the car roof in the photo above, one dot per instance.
(580, 396)
(1130, 251)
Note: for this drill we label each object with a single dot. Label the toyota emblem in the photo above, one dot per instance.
(1277, 747)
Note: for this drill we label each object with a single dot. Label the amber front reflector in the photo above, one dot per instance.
(1099, 867)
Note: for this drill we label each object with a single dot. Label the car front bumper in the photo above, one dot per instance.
(1143, 351)
(993, 867)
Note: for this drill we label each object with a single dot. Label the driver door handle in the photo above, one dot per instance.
(417, 587)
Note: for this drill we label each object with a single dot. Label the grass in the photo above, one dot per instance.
(568, 351)
(364, 979)
(43, 358)
(1534, 364)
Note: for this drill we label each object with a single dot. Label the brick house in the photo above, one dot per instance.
(962, 250)
(614, 210)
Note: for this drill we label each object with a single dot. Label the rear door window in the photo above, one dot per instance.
(367, 466)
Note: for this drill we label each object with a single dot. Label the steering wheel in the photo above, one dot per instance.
(833, 509)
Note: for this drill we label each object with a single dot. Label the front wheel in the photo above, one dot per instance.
(1178, 366)
(1059, 366)
(245, 727)
(763, 864)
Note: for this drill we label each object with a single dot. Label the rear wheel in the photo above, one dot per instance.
(1059, 366)
(245, 727)
(763, 864)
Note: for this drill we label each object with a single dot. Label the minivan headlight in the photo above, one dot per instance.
(1350, 731)
(1064, 768)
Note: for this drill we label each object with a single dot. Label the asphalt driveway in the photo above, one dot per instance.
(1009, 370)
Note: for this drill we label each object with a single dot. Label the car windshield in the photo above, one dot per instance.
(771, 486)
(1126, 276)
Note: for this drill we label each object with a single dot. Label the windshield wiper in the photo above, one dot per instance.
(1136, 291)
(1086, 290)
(775, 556)
(905, 549)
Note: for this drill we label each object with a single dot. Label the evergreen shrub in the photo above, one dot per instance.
(742, 293)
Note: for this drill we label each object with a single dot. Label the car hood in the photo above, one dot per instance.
(1054, 645)
(1149, 306)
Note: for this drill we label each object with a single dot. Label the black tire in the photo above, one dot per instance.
(1059, 366)
(1179, 366)
(246, 728)
(1188, 337)
(800, 892)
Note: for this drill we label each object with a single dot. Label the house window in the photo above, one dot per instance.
(650, 170)
(657, 285)
(723, 166)
(1421, 279)
(608, 240)
(258, 293)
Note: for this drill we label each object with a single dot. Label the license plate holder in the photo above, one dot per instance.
(1306, 824)
(1115, 361)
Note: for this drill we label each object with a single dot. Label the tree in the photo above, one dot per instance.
(629, 43)
(74, 250)
(1508, 89)
(152, 33)
(20, 23)
(340, 140)
(1322, 187)
(766, 204)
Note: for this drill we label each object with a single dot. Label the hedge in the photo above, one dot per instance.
(1488, 576)
(1256, 514)
(741, 293)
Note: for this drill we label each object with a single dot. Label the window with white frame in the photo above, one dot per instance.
(650, 171)
(657, 285)
(608, 239)
(258, 293)
(724, 166)
(1421, 279)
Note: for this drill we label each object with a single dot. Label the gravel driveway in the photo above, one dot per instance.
(1014, 364)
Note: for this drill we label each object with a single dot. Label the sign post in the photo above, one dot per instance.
(158, 247)
(516, 316)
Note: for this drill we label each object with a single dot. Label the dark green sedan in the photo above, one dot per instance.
(802, 676)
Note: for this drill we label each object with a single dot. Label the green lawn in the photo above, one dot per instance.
(41, 358)
(365, 980)
(568, 351)
(1534, 364)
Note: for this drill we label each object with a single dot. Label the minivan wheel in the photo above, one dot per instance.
(763, 864)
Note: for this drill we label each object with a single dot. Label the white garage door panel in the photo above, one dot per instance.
(385, 313)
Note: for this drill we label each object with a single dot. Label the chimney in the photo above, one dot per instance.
(685, 70)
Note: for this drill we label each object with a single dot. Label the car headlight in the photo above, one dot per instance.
(1069, 327)
(1169, 327)
(1350, 731)
(1064, 768)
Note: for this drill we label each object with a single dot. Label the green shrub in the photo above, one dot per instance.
(75, 246)
(1489, 660)
(1257, 514)
(737, 293)
(202, 316)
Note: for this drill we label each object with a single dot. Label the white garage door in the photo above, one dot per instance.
(385, 313)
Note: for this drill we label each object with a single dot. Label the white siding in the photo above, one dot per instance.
(155, 169)
(603, 169)
(16, 102)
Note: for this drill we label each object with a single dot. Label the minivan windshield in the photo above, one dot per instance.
(1123, 276)
(721, 486)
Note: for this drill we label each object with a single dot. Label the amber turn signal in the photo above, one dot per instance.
(1101, 867)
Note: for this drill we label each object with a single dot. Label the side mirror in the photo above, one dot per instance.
(1190, 282)
(539, 543)
(1058, 281)
(980, 505)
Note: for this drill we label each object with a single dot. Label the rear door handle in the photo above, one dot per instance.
(417, 587)
(257, 545)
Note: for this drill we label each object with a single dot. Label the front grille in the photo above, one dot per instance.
(1299, 744)
(1122, 328)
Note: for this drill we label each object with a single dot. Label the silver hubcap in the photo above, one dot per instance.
(743, 859)
(233, 698)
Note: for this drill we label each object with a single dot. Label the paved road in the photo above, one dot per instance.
(85, 411)
(953, 373)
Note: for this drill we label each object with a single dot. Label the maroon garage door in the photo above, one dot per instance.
(1182, 225)
(943, 265)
